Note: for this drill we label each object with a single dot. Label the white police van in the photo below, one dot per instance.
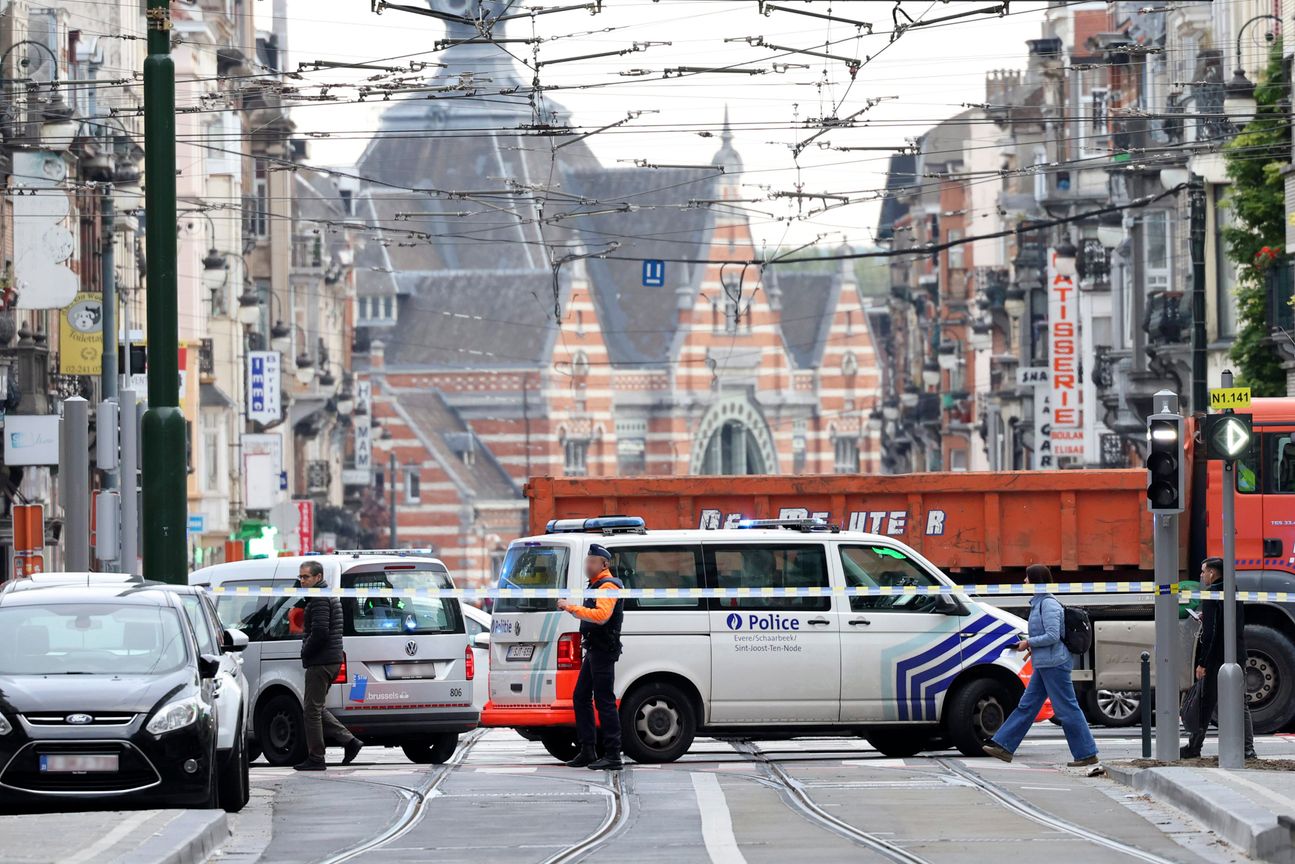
(904, 670)
(409, 668)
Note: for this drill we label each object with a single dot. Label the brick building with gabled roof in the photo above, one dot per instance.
(504, 340)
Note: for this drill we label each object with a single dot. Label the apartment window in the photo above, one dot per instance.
(413, 486)
(1157, 242)
(958, 460)
(389, 308)
(1101, 115)
(211, 460)
(730, 315)
(260, 222)
(957, 256)
(576, 457)
(847, 455)
(379, 483)
(1225, 275)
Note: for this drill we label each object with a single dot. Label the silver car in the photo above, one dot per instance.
(407, 680)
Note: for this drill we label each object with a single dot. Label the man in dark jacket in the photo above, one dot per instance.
(1209, 659)
(600, 632)
(321, 654)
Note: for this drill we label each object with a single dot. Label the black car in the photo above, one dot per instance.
(104, 699)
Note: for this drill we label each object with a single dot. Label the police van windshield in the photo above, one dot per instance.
(532, 566)
(399, 614)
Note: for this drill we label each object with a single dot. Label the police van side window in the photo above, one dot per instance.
(659, 567)
(797, 567)
(885, 567)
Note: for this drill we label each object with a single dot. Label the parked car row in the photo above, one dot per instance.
(121, 692)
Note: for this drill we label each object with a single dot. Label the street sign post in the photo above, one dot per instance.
(1227, 437)
(1164, 499)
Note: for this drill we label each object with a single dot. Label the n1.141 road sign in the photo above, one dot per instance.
(1227, 436)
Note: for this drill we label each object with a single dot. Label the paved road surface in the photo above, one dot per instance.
(504, 800)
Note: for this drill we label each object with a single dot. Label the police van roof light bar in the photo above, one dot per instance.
(400, 553)
(600, 525)
(790, 524)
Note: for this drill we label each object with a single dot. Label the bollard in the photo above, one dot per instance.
(1146, 705)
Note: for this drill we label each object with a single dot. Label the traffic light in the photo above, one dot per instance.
(1165, 475)
(1227, 436)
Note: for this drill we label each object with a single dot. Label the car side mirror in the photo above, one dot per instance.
(233, 641)
(208, 666)
(947, 604)
(481, 640)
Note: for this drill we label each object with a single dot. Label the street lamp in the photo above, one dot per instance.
(1239, 103)
(1110, 230)
(1064, 262)
(249, 306)
(931, 373)
(346, 398)
(890, 408)
(280, 337)
(1014, 302)
(305, 369)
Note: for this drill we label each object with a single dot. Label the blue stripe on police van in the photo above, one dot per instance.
(906, 665)
(955, 663)
(995, 648)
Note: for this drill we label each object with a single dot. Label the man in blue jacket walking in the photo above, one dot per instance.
(1051, 680)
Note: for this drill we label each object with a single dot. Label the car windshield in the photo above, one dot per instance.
(532, 566)
(90, 639)
(400, 613)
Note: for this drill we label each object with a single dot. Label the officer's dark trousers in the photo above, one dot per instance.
(1209, 702)
(596, 686)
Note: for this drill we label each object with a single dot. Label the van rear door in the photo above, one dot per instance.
(405, 653)
(525, 631)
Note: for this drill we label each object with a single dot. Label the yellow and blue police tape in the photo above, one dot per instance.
(981, 590)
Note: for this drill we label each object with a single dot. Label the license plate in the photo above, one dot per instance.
(408, 671)
(521, 652)
(79, 764)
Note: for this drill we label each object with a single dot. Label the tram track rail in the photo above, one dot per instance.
(795, 795)
(616, 819)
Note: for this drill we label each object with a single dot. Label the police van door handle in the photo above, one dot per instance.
(856, 621)
(820, 622)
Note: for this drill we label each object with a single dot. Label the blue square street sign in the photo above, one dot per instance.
(197, 524)
(653, 274)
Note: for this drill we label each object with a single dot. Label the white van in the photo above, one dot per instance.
(902, 670)
(407, 679)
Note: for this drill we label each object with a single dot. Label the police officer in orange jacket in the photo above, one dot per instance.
(600, 632)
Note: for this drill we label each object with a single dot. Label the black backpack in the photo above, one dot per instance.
(1078, 635)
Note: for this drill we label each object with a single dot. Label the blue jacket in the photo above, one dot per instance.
(1047, 626)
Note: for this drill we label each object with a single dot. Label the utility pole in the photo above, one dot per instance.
(107, 239)
(1231, 684)
(165, 504)
(1200, 387)
(130, 482)
(74, 475)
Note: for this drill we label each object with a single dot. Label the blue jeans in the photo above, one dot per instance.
(1054, 684)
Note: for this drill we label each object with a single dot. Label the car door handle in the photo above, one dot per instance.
(856, 621)
(967, 634)
(819, 622)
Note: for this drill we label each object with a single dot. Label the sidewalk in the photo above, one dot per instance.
(112, 837)
(1253, 809)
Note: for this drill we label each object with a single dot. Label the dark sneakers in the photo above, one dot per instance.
(585, 759)
(351, 750)
(1084, 763)
(610, 762)
(993, 749)
(311, 765)
(1189, 753)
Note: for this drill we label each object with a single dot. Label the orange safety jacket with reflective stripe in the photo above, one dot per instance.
(604, 604)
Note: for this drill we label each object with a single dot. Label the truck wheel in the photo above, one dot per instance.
(898, 742)
(1270, 678)
(975, 711)
(657, 723)
(561, 745)
(281, 730)
(1114, 708)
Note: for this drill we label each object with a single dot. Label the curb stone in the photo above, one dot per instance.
(190, 838)
(1257, 831)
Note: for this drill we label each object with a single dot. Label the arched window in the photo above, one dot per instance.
(733, 449)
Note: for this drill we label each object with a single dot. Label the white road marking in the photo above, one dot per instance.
(503, 770)
(106, 842)
(716, 822)
(1047, 788)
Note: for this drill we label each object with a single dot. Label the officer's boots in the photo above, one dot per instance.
(585, 759)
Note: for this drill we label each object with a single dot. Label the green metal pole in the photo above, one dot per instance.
(165, 514)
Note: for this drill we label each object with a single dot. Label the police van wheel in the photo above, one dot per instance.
(434, 752)
(281, 730)
(562, 746)
(657, 723)
(899, 741)
(974, 712)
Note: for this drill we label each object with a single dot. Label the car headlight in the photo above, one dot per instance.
(174, 716)
(5, 727)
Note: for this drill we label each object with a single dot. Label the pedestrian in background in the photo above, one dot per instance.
(1051, 680)
(600, 634)
(322, 655)
(1209, 659)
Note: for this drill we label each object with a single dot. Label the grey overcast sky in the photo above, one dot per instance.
(923, 76)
